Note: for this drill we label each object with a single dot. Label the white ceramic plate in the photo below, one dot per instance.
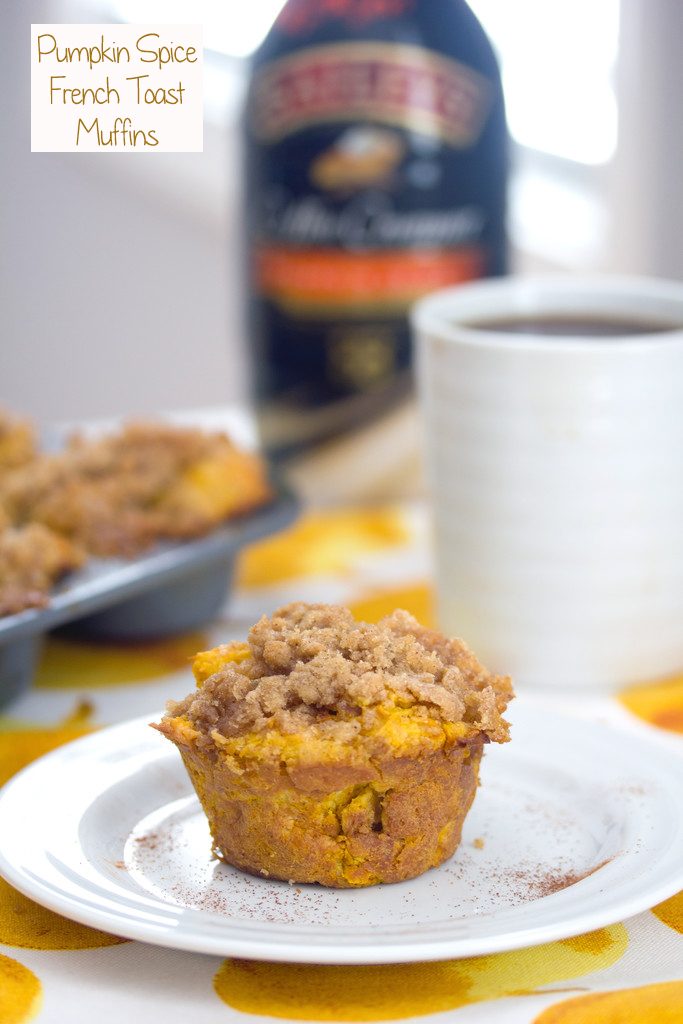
(581, 827)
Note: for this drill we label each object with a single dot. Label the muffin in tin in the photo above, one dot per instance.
(335, 751)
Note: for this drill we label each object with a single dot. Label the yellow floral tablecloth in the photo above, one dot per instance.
(64, 973)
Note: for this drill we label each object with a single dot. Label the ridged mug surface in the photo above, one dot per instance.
(557, 474)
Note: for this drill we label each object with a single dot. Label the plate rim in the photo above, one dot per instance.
(191, 938)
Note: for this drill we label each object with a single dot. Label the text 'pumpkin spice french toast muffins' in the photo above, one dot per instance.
(329, 750)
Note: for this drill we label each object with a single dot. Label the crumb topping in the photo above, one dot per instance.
(32, 558)
(314, 667)
(117, 494)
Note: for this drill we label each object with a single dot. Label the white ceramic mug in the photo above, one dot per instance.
(557, 474)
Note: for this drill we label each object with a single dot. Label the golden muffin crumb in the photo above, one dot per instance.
(17, 441)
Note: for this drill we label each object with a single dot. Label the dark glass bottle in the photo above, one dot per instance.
(376, 165)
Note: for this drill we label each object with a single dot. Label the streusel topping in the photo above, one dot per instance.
(117, 494)
(316, 666)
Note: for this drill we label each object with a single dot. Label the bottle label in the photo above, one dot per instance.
(345, 244)
(304, 281)
(392, 84)
(370, 186)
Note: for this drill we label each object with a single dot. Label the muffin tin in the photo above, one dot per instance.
(171, 588)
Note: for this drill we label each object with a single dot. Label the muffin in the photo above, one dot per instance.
(334, 751)
(32, 559)
(118, 494)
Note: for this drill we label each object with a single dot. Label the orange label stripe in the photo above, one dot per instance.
(319, 278)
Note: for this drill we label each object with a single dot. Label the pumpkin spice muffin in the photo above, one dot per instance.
(330, 750)
(118, 494)
(32, 559)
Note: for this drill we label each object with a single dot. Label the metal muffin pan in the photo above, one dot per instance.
(172, 588)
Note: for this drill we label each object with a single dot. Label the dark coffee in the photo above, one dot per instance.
(574, 326)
